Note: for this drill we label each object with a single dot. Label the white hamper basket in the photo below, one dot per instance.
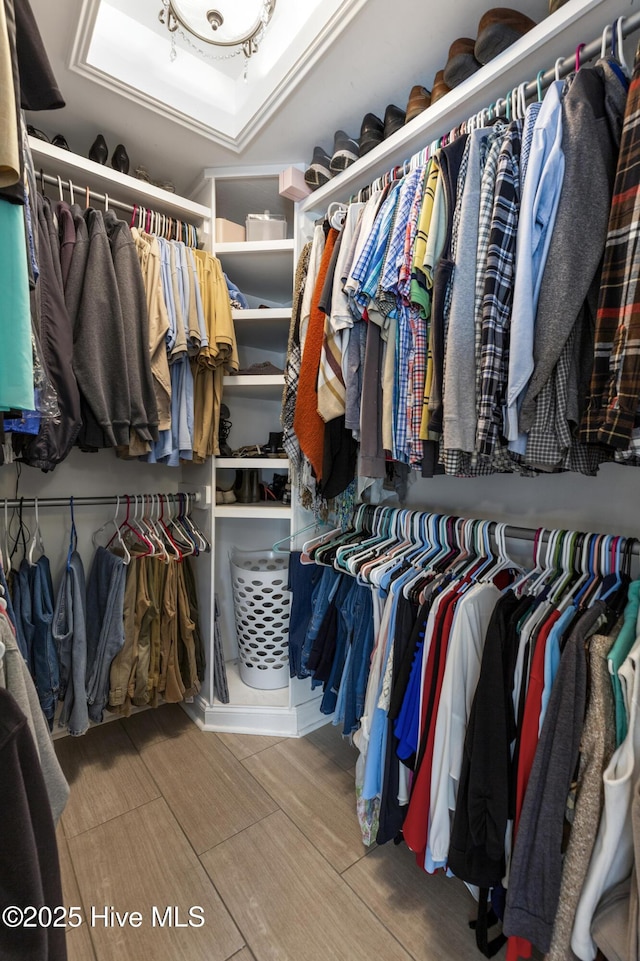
(262, 603)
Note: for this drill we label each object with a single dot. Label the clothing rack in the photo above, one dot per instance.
(562, 68)
(16, 502)
(107, 201)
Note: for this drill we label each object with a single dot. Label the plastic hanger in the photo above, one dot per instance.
(73, 535)
(36, 538)
(620, 45)
(117, 534)
(71, 192)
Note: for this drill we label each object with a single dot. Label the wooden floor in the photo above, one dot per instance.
(259, 834)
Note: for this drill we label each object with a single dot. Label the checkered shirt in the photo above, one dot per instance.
(615, 382)
(498, 292)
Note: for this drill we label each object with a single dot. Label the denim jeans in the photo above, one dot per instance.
(303, 580)
(43, 655)
(7, 596)
(358, 613)
(105, 630)
(343, 632)
(70, 636)
(320, 602)
(22, 613)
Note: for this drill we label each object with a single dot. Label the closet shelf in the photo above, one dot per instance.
(264, 510)
(265, 329)
(240, 694)
(265, 387)
(263, 269)
(244, 463)
(82, 172)
(555, 36)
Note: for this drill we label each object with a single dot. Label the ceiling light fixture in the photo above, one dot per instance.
(238, 25)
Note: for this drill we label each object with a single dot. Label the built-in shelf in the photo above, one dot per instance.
(102, 178)
(556, 36)
(263, 314)
(244, 463)
(265, 329)
(262, 269)
(263, 509)
(262, 387)
(242, 694)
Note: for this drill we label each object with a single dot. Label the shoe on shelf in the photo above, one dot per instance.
(394, 118)
(60, 141)
(249, 450)
(225, 496)
(38, 134)
(120, 159)
(419, 100)
(224, 429)
(462, 62)
(371, 133)
(278, 485)
(345, 152)
(273, 447)
(247, 486)
(266, 368)
(439, 88)
(319, 172)
(141, 173)
(497, 30)
(555, 5)
(99, 151)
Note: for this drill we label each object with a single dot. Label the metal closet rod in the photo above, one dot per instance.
(522, 533)
(588, 52)
(14, 502)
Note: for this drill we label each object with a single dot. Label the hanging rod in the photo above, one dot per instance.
(515, 532)
(15, 502)
(562, 69)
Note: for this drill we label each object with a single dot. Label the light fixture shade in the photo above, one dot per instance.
(225, 23)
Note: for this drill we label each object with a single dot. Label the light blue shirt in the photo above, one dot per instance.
(552, 658)
(538, 209)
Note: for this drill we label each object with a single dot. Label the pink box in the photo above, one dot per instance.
(292, 184)
(227, 232)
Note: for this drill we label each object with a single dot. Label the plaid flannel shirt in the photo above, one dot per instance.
(615, 382)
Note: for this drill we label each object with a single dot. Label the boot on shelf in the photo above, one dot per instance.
(224, 429)
(247, 488)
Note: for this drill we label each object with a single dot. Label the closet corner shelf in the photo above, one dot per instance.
(555, 36)
(83, 172)
(255, 248)
(245, 463)
(262, 314)
(266, 329)
(263, 269)
(262, 510)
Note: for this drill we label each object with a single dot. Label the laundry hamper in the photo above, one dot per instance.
(261, 603)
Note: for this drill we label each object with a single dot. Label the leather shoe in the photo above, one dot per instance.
(371, 133)
(318, 172)
(461, 63)
(498, 29)
(555, 5)
(345, 152)
(60, 141)
(419, 100)
(439, 88)
(394, 118)
(120, 159)
(99, 151)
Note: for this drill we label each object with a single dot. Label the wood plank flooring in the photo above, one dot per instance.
(259, 833)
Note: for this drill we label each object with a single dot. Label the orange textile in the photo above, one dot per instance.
(307, 422)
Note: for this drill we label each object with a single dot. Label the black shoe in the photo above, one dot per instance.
(59, 141)
(371, 133)
(273, 447)
(394, 118)
(318, 172)
(345, 152)
(120, 159)
(99, 151)
(38, 134)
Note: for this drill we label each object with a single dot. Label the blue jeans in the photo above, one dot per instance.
(105, 628)
(303, 580)
(44, 656)
(22, 611)
(319, 602)
(358, 614)
(70, 635)
(346, 589)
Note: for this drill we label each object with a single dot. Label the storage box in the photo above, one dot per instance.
(266, 226)
(229, 233)
(293, 185)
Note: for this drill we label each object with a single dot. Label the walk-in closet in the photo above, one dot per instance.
(319, 473)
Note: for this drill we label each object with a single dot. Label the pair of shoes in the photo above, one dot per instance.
(225, 496)
(99, 153)
(58, 140)
(374, 130)
(346, 151)
(265, 368)
(497, 30)
(439, 87)
(273, 448)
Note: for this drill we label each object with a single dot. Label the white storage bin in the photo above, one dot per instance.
(266, 226)
(262, 604)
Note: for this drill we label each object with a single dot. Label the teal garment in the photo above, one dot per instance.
(618, 655)
(16, 357)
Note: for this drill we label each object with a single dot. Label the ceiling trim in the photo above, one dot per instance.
(307, 60)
